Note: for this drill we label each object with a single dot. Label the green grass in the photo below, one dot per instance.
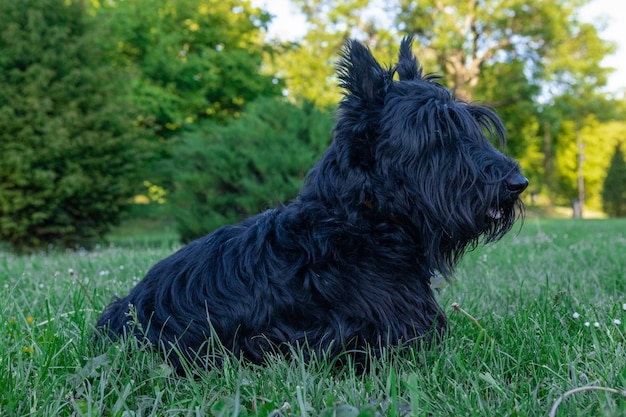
(523, 291)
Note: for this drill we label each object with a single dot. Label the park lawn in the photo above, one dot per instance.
(549, 304)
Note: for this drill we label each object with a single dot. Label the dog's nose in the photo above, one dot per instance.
(516, 183)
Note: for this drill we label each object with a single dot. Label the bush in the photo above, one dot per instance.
(69, 155)
(226, 173)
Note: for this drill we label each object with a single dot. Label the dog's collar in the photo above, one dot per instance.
(437, 282)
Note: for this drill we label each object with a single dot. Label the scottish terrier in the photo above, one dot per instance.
(409, 184)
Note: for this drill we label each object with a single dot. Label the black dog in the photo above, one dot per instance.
(408, 185)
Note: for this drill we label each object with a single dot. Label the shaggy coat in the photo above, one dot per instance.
(410, 182)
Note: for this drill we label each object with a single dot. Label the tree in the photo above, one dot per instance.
(598, 138)
(308, 65)
(224, 173)
(467, 36)
(69, 150)
(192, 59)
(614, 191)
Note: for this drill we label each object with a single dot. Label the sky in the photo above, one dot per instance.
(288, 24)
(614, 12)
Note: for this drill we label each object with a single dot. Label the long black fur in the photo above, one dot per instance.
(410, 182)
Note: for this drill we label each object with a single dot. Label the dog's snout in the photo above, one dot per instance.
(516, 183)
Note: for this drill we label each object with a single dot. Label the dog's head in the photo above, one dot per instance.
(405, 147)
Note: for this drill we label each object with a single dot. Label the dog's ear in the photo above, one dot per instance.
(365, 83)
(408, 67)
(360, 75)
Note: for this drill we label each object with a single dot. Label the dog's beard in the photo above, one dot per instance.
(495, 213)
(466, 232)
(500, 219)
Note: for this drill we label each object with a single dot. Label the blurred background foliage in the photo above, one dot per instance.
(224, 173)
(187, 112)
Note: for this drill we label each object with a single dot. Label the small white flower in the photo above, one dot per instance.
(575, 315)
(624, 306)
(587, 324)
(41, 285)
(596, 324)
(103, 273)
(617, 321)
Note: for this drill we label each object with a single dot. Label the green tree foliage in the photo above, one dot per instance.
(614, 191)
(225, 173)
(598, 141)
(308, 65)
(192, 59)
(69, 153)
(468, 36)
